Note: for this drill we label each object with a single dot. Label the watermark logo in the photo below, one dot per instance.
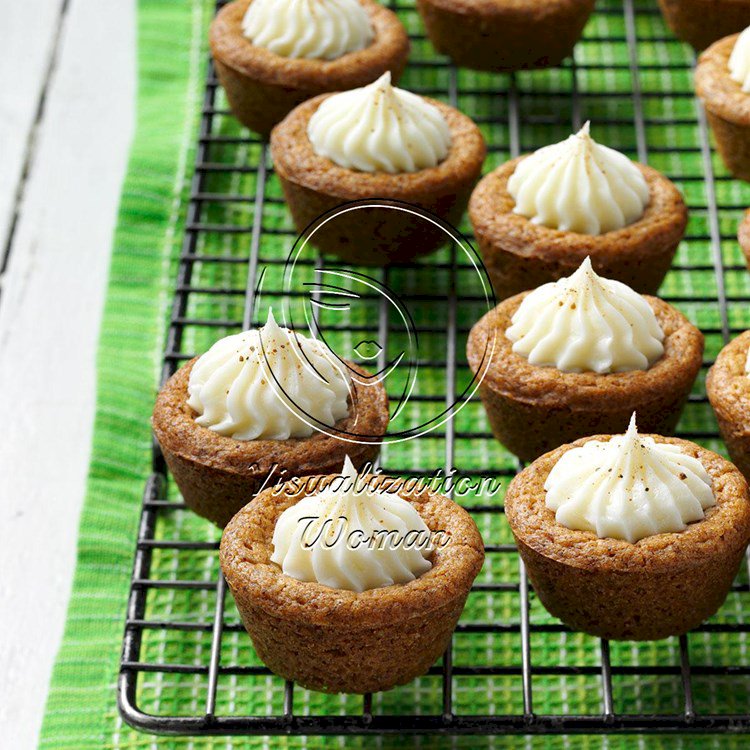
(398, 323)
(334, 532)
(371, 479)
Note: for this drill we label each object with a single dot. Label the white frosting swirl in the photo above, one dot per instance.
(380, 128)
(309, 29)
(586, 323)
(579, 186)
(335, 537)
(739, 61)
(268, 384)
(629, 487)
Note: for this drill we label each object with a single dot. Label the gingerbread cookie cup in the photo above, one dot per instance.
(218, 475)
(702, 22)
(314, 185)
(660, 586)
(520, 254)
(262, 87)
(728, 389)
(534, 409)
(342, 641)
(727, 106)
(505, 35)
(743, 237)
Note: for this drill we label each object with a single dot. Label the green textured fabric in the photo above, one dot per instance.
(81, 711)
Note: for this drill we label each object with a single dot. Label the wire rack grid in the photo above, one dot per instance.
(188, 667)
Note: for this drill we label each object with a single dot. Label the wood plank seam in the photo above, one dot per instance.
(31, 140)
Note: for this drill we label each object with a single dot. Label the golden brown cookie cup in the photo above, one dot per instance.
(342, 641)
(743, 237)
(727, 106)
(534, 409)
(314, 185)
(728, 389)
(506, 35)
(520, 255)
(702, 22)
(218, 475)
(661, 586)
(262, 87)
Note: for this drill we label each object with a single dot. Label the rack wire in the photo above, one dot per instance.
(187, 666)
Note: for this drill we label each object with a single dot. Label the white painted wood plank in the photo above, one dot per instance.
(49, 319)
(28, 36)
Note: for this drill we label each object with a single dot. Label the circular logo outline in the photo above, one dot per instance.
(457, 401)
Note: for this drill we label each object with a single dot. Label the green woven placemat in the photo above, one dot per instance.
(81, 711)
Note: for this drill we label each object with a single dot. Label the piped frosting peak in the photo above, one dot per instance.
(587, 323)
(380, 128)
(268, 384)
(628, 487)
(352, 536)
(308, 29)
(579, 186)
(739, 61)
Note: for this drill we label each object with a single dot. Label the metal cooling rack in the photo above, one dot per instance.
(154, 673)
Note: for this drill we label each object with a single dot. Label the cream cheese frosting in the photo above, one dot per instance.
(380, 128)
(629, 487)
(739, 61)
(586, 323)
(308, 29)
(335, 537)
(579, 186)
(268, 384)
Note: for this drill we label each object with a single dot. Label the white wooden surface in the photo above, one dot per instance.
(82, 53)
